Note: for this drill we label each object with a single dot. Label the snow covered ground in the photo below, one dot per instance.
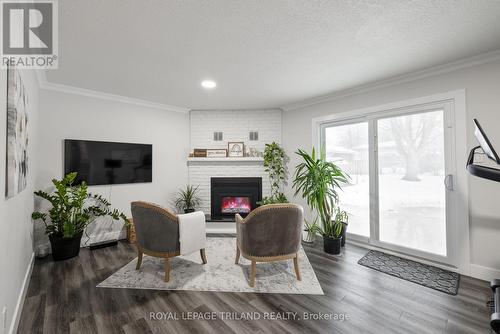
(412, 214)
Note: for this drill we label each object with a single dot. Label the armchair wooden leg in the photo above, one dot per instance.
(167, 269)
(139, 259)
(296, 265)
(203, 256)
(237, 255)
(252, 274)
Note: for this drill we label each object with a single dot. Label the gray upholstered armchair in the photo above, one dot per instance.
(270, 233)
(157, 234)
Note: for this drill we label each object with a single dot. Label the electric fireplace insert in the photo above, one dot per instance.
(232, 195)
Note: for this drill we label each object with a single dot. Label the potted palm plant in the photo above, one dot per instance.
(317, 181)
(73, 208)
(187, 200)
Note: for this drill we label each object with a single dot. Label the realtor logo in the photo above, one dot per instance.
(29, 34)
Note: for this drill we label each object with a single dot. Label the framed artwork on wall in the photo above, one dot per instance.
(17, 134)
(235, 149)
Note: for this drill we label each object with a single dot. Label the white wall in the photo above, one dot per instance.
(16, 239)
(70, 116)
(482, 84)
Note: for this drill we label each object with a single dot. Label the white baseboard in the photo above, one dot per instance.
(484, 273)
(20, 300)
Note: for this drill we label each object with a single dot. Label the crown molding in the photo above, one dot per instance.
(44, 84)
(432, 71)
(240, 109)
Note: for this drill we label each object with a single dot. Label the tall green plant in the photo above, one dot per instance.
(73, 208)
(274, 164)
(317, 181)
(187, 199)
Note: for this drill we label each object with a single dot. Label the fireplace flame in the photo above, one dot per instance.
(236, 204)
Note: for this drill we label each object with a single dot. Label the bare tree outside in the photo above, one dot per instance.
(413, 137)
(411, 168)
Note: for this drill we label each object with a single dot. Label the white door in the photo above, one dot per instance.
(400, 196)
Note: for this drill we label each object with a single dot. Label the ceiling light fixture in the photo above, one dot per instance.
(208, 84)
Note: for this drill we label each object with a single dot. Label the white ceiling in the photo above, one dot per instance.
(262, 53)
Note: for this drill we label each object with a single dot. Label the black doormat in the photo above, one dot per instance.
(423, 274)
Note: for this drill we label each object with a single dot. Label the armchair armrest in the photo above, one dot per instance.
(239, 221)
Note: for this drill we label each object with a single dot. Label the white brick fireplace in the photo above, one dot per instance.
(235, 126)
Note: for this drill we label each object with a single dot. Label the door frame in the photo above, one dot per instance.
(454, 109)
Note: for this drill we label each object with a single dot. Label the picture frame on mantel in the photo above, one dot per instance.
(217, 153)
(236, 149)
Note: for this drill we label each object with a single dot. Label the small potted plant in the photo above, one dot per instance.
(187, 200)
(73, 208)
(342, 217)
(332, 237)
(310, 230)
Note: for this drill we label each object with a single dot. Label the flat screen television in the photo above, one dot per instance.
(101, 163)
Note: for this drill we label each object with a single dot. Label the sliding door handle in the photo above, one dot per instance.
(448, 182)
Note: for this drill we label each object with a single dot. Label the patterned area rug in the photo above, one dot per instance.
(219, 274)
(423, 274)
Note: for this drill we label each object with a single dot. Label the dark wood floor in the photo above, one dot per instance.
(63, 298)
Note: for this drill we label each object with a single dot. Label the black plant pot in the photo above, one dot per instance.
(65, 248)
(188, 210)
(332, 245)
(344, 230)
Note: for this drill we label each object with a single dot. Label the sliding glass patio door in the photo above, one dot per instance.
(400, 196)
(347, 146)
(411, 172)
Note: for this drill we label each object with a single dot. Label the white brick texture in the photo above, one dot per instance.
(236, 126)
